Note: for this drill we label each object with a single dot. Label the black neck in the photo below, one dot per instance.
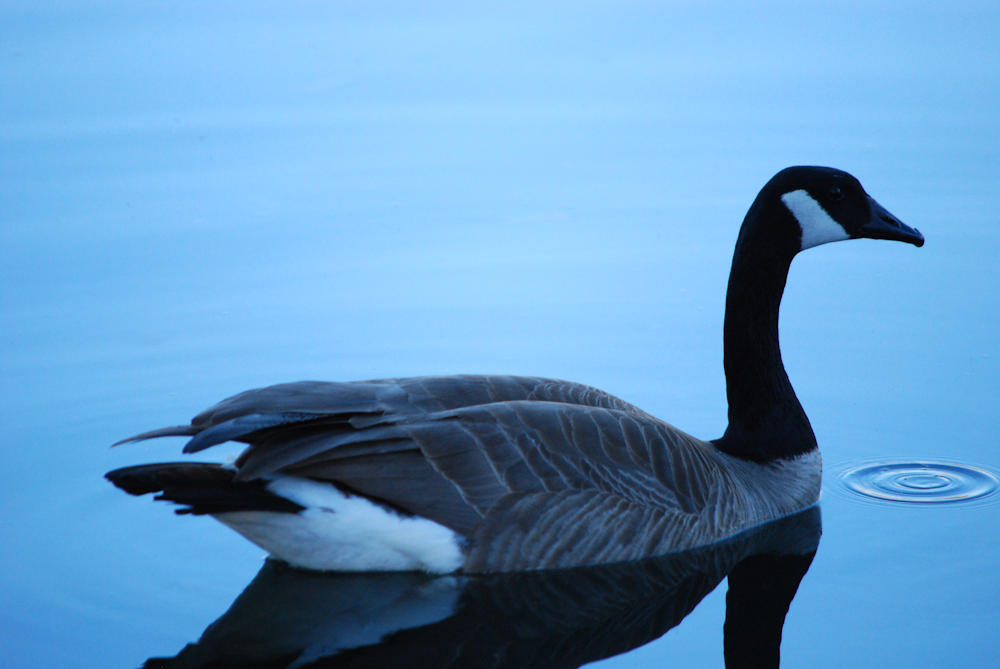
(766, 421)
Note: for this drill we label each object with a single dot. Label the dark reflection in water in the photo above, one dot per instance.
(549, 619)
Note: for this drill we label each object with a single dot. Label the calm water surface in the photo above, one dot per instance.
(198, 201)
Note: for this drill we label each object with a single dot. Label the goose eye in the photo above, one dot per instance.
(835, 193)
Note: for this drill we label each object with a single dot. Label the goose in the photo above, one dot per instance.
(491, 473)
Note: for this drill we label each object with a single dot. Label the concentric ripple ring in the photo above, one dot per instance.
(921, 482)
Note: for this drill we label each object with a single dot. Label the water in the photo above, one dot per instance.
(196, 201)
(921, 482)
(555, 618)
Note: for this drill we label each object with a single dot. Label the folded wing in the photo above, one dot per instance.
(535, 473)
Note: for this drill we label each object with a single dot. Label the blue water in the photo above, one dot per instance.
(198, 200)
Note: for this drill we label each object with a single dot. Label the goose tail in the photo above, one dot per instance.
(200, 488)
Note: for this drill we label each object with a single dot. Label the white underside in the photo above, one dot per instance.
(817, 225)
(339, 532)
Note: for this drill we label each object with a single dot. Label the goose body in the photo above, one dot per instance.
(503, 473)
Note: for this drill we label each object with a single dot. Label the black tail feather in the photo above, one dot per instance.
(202, 488)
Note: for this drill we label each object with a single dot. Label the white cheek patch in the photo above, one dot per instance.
(817, 226)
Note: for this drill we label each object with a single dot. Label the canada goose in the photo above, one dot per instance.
(502, 473)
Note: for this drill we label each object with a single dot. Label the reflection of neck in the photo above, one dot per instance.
(761, 589)
(766, 421)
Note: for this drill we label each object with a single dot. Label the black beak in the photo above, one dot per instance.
(884, 225)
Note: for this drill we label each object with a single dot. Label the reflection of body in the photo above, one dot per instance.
(547, 619)
(497, 474)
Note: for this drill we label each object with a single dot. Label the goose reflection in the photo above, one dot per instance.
(290, 618)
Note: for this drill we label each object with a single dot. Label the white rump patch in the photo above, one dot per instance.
(817, 226)
(339, 532)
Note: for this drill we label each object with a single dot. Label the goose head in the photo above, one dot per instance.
(799, 208)
(830, 205)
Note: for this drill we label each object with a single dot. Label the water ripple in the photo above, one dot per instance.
(921, 482)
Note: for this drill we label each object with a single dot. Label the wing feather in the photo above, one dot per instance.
(411, 396)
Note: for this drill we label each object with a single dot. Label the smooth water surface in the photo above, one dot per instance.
(196, 200)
